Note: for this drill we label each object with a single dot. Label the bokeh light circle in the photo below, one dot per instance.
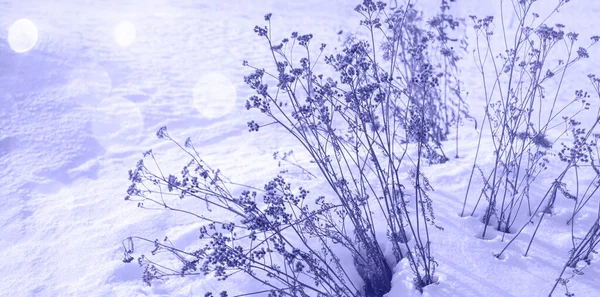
(117, 124)
(22, 35)
(89, 85)
(125, 33)
(214, 95)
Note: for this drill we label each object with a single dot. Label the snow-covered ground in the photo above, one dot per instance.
(78, 109)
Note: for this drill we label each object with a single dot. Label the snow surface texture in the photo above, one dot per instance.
(84, 85)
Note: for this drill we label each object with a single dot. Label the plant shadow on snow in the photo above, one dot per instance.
(125, 273)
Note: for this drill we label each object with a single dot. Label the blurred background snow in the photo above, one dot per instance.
(84, 85)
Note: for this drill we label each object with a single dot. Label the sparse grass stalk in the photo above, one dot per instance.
(519, 136)
(368, 131)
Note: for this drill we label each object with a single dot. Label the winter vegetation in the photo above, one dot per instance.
(370, 118)
(416, 148)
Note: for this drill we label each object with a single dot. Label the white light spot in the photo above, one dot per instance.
(22, 35)
(89, 85)
(117, 124)
(214, 95)
(125, 33)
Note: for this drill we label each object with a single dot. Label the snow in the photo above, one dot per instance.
(84, 85)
